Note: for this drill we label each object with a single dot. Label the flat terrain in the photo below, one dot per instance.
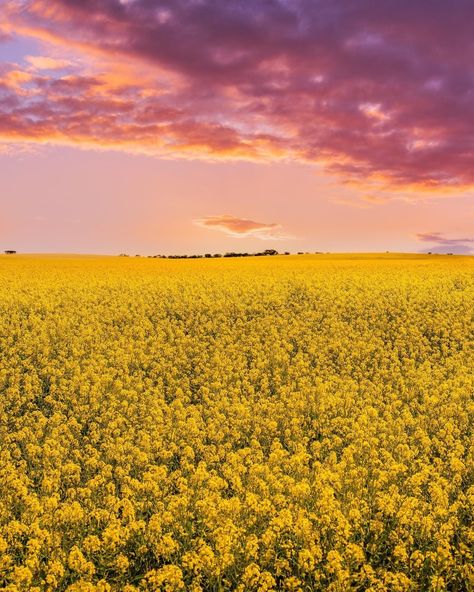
(283, 423)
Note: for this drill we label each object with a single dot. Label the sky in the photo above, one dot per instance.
(192, 126)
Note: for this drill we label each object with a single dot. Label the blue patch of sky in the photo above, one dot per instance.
(13, 49)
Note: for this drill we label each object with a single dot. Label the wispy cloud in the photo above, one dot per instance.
(242, 227)
(376, 199)
(363, 202)
(442, 244)
(351, 203)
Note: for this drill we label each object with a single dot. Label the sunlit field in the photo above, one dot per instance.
(288, 423)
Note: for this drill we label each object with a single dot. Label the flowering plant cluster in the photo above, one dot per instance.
(292, 423)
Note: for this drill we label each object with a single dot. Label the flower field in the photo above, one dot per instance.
(299, 423)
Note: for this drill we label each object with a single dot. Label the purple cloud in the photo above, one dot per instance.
(442, 244)
(373, 90)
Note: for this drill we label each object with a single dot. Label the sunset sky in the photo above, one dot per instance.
(188, 126)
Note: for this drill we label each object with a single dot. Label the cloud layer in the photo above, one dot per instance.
(379, 91)
(242, 227)
(442, 244)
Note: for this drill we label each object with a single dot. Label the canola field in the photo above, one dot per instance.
(298, 423)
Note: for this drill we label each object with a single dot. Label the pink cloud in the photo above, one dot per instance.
(242, 227)
(376, 199)
(47, 63)
(372, 91)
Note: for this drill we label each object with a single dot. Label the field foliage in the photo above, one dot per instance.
(286, 423)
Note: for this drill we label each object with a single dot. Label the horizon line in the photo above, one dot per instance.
(237, 254)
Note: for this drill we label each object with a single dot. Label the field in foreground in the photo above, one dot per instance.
(285, 423)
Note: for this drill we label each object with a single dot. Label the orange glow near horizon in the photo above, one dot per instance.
(232, 107)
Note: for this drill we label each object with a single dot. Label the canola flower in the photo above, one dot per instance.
(293, 423)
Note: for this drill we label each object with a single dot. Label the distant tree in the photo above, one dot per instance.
(267, 252)
(10, 252)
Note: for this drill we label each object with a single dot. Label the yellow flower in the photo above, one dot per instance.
(294, 423)
(168, 578)
(78, 563)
